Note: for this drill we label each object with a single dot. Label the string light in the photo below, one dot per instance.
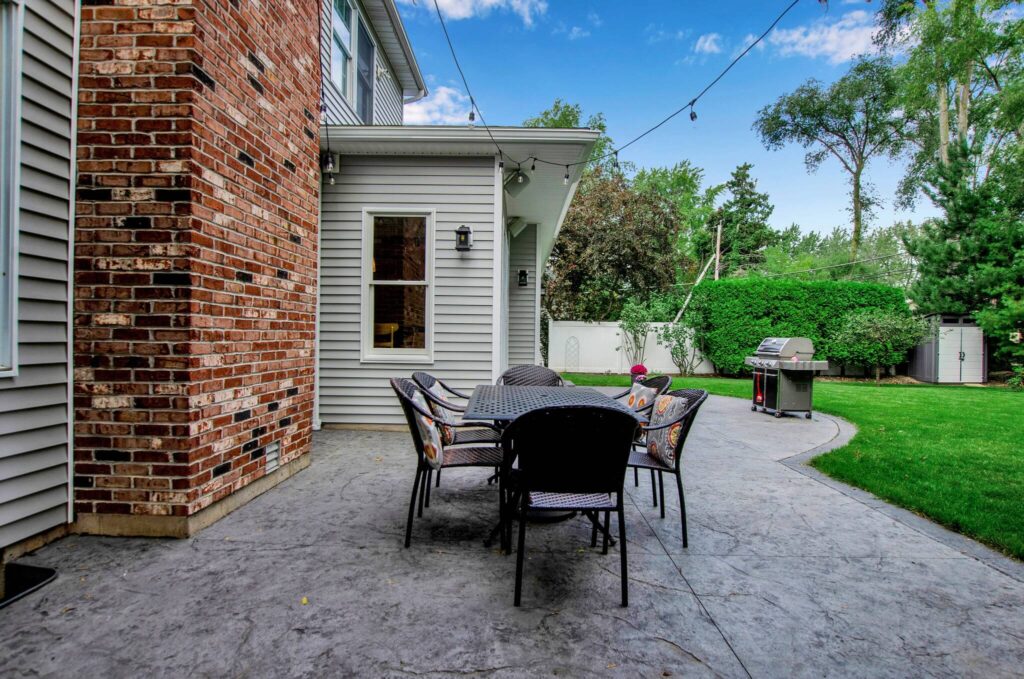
(689, 105)
(501, 164)
(472, 116)
(519, 174)
(565, 182)
(533, 167)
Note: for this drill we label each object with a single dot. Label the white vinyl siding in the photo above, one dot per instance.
(458, 191)
(522, 301)
(387, 96)
(34, 447)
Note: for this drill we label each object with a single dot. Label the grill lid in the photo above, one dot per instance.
(800, 348)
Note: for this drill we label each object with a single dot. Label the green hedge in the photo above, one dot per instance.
(732, 316)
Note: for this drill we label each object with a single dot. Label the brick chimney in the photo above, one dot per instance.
(195, 258)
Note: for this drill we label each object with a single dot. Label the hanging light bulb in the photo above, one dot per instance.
(501, 164)
(472, 116)
(323, 114)
(329, 167)
(565, 181)
(693, 115)
(616, 160)
(519, 174)
(330, 180)
(533, 168)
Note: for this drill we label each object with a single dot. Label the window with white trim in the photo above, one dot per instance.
(11, 14)
(364, 76)
(397, 291)
(341, 44)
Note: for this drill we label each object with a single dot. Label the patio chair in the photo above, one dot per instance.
(659, 385)
(530, 376)
(458, 432)
(431, 451)
(676, 426)
(570, 458)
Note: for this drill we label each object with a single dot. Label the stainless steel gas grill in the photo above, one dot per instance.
(784, 370)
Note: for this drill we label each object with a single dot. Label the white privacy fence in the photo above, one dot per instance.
(574, 346)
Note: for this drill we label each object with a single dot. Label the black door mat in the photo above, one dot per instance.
(21, 580)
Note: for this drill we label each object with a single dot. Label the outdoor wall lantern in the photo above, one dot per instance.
(463, 238)
(524, 278)
(328, 166)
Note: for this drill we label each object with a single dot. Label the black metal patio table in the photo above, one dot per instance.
(504, 403)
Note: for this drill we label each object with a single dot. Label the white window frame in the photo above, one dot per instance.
(343, 82)
(369, 353)
(11, 24)
(373, 75)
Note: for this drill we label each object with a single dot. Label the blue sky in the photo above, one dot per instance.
(638, 61)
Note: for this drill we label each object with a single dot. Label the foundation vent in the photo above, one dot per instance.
(273, 456)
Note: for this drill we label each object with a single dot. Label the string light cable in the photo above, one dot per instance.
(614, 152)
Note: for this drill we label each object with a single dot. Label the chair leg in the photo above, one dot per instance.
(593, 528)
(412, 507)
(661, 492)
(682, 505)
(423, 492)
(438, 484)
(430, 474)
(622, 554)
(654, 488)
(636, 477)
(607, 530)
(519, 555)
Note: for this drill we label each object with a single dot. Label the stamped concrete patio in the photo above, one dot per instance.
(787, 574)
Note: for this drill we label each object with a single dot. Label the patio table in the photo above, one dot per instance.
(506, 403)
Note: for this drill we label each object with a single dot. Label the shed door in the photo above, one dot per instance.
(949, 354)
(972, 368)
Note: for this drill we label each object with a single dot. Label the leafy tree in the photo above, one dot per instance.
(682, 188)
(961, 81)
(634, 326)
(565, 115)
(877, 338)
(744, 219)
(680, 338)
(971, 260)
(615, 243)
(852, 121)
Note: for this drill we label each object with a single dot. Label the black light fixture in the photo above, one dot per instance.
(693, 115)
(524, 278)
(463, 238)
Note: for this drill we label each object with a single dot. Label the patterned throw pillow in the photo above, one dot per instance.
(446, 416)
(433, 447)
(639, 396)
(661, 443)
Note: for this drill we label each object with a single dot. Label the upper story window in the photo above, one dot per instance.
(397, 292)
(341, 44)
(364, 76)
(11, 15)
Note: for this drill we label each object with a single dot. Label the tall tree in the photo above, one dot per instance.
(744, 221)
(565, 115)
(852, 121)
(615, 243)
(681, 188)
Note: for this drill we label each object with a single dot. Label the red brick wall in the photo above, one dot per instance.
(195, 255)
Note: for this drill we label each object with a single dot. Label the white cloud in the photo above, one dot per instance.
(594, 19)
(576, 33)
(747, 41)
(444, 106)
(659, 34)
(709, 43)
(838, 40)
(467, 9)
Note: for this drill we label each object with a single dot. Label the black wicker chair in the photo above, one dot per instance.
(659, 384)
(569, 458)
(530, 376)
(639, 458)
(489, 456)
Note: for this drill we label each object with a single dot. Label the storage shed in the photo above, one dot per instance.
(952, 353)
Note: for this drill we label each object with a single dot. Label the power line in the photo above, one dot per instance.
(614, 152)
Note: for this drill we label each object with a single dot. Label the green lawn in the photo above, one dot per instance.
(954, 454)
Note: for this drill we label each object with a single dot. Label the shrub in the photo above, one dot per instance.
(877, 338)
(732, 316)
(634, 324)
(679, 338)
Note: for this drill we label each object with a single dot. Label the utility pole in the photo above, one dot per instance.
(718, 251)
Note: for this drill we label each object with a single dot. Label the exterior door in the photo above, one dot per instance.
(972, 348)
(949, 354)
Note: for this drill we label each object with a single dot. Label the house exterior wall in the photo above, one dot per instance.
(34, 455)
(387, 94)
(462, 191)
(522, 301)
(196, 254)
